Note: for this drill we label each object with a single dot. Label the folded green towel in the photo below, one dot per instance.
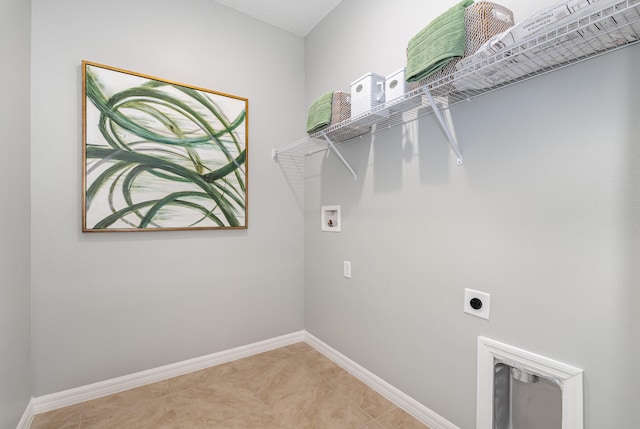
(437, 44)
(320, 112)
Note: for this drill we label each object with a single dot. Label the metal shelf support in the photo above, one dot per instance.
(444, 117)
(339, 155)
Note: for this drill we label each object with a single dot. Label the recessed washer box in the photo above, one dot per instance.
(330, 219)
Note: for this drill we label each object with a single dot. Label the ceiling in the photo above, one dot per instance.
(296, 16)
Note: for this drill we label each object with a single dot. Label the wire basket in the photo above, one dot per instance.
(482, 21)
(340, 112)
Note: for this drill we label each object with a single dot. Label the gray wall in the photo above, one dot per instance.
(543, 215)
(106, 305)
(15, 391)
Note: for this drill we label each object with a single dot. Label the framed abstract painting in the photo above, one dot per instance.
(159, 155)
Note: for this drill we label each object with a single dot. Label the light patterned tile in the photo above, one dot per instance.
(370, 401)
(324, 366)
(285, 378)
(64, 418)
(262, 419)
(205, 408)
(270, 376)
(143, 414)
(399, 419)
(373, 424)
(322, 407)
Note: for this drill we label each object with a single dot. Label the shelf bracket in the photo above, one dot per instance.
(339, 155)
(444, 117)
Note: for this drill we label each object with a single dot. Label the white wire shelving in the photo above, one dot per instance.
(604, 30)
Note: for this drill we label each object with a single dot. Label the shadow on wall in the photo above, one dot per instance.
(419, 146)
(388, 159)
(415, 149)
(336, 180)
(434, 154)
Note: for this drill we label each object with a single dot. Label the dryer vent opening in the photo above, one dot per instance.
(518, 389)
(525, 400)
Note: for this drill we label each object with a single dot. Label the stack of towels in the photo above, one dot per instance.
(320, 111)
(437, 44)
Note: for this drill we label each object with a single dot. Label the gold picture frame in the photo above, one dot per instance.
(159, 155)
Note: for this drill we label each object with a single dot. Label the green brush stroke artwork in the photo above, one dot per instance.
(160, 155)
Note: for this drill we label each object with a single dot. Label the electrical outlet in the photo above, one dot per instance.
(347, 269)
(477, 303)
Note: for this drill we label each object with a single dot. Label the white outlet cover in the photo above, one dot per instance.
(485, 298)
(347, 269)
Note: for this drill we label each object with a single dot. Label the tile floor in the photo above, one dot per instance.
(294, 387)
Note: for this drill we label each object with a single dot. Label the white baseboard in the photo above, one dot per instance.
(70, 397)
(27, 417)
(401, 399)
(77, 395)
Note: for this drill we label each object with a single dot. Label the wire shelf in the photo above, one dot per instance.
(604, 30)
